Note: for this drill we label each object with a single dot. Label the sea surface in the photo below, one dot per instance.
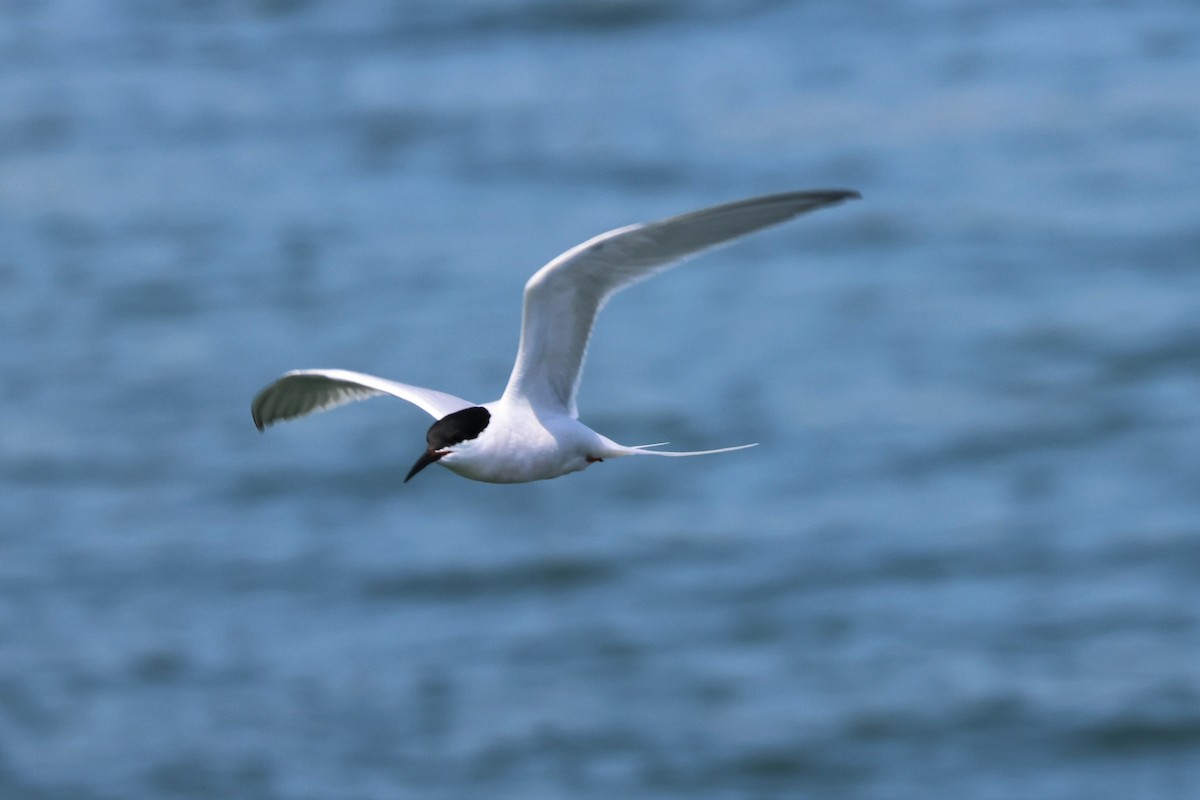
(964, 561)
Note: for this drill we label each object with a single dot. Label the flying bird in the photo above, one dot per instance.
(533, 431)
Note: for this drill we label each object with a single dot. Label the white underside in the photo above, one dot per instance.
(519, 446)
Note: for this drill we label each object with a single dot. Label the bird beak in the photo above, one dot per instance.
(428, 457)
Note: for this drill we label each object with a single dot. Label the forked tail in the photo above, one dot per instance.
(644, 450)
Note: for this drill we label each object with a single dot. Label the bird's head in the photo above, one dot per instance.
(448, 431)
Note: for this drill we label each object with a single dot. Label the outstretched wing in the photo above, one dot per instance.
(306, 391)
(563, 297)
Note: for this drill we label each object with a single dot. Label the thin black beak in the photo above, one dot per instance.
(427, 458)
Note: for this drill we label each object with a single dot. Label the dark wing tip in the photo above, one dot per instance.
(823, 198)
(258, 405)
(793, 203)
(836, 195)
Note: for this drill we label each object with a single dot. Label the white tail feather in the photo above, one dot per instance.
(644, 450)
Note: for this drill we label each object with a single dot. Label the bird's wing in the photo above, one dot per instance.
(305, 391)
(563, 297)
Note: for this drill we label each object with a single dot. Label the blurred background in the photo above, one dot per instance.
(963, 563)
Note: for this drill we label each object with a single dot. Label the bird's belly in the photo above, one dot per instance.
(518, 462)
(521, 470)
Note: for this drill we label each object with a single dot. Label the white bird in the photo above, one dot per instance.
(533, 431)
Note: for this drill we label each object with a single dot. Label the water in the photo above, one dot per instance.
(964, 562)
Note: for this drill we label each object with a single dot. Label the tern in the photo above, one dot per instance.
(533, 431)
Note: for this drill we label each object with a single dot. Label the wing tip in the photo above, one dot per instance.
(256, 408)
(835, 195)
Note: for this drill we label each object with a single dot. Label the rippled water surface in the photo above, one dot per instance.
(964, 562)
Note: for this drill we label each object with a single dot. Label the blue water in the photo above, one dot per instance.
(964, 563)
